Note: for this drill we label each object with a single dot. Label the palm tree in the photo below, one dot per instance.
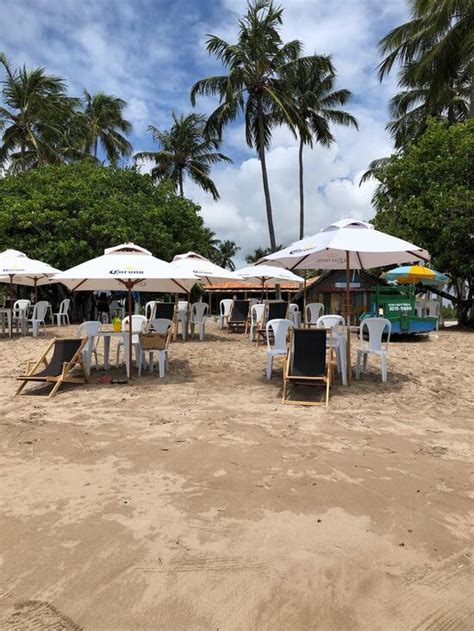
(106, 126)
(253, 86)
(260, 253)
(225, 253)
(315, 100)
(185, 149)
(435, 48)
(210, 249)
(32, 119)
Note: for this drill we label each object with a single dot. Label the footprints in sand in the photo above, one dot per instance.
(85, 440)
(436, 602)
(38, 615)
(200, 564)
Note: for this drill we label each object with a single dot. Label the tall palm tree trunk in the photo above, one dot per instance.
(180, 182)
(300, 159)
(471, 104)
(266, 188)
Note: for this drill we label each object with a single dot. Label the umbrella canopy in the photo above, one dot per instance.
(265, 273)
(415, 274)
(202, 267)
(127, 266)
(348, 242)
(19, 269)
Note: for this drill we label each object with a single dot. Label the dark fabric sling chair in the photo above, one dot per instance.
(273, 311)
(66, 354)
(239, 315)
(167, 310)
(307, 362)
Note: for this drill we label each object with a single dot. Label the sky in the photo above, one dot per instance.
(150, 52)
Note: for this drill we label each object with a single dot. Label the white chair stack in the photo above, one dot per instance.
(198, 318)
(374, 345)
(183, 317)
(294, 314)
(20, 314)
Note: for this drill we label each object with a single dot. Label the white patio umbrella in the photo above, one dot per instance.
(130, 267)
(265, 273)
(202, 267)
(347, 244)
(18, 269)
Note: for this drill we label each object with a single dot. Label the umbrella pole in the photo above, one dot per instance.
(36, 290)
(11, 306)
(129, 290)
(348, 316)
(304, 300)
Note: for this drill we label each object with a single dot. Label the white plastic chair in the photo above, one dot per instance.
(433, 310)
(138, 324)
(198, 318)
(338, 341)
(38, 317)
(20, 313)
(224, 310)
(150, 309)
(89, 329)
(183, 317)
(256, 319)
(314, 310)
(279, 328)
(294, 314)
(62, 316)
(159, 325)
(374, 345)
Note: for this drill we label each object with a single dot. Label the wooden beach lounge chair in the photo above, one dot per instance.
(273, 311)
(67, 352)
(239, 315)
(307, 363)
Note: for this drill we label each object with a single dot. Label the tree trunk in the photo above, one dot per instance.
(266, 188)
(180, 183)
(471, 104)
(300, 158)
(95, 146)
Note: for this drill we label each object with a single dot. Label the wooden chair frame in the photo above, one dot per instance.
(63, 377)
(326, 379)
(261, 332)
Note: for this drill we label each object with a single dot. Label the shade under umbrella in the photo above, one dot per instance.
(130, 267)
(347, 244)
(202, 267)
(415, 274)
(16, 268)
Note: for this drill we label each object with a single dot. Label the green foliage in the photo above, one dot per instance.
(69, 213)
(226, 250)
(426, 196)
(185, 149)
(259, 253)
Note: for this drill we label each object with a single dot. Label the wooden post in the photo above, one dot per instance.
(11, 306)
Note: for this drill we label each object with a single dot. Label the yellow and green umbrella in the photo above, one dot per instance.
(415, 274)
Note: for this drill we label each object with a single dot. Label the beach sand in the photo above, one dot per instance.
(200, 502)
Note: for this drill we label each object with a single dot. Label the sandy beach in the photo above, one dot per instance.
(200, 502)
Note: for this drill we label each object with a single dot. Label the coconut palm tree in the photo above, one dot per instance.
(253, 86)
(32, 118)
(225, 253)
(186, 149)
(434, 48)
(106, 126)
(259, 253)
(316, 101)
